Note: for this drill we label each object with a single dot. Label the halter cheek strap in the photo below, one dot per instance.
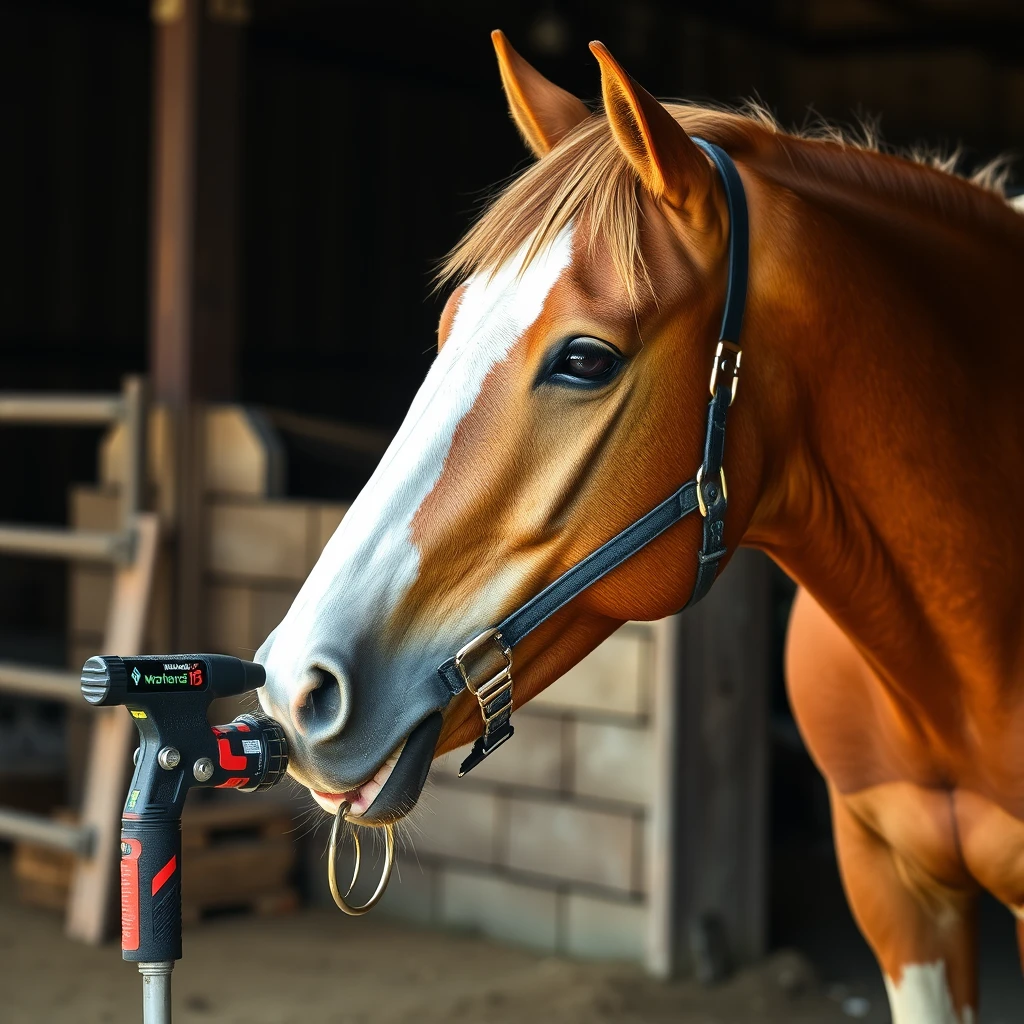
(484, 665)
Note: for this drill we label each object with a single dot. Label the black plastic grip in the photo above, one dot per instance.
(150, 891)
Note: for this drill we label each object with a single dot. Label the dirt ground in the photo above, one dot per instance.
(318, 967)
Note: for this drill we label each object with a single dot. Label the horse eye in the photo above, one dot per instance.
(586, 361)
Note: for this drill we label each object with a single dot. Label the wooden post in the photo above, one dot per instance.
(197, 89)
(709, 842)
(90, 900)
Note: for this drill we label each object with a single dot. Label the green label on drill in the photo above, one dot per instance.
(151, 675)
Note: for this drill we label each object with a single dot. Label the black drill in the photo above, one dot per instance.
(168, 697)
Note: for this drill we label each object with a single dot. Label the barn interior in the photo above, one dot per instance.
(245, 201)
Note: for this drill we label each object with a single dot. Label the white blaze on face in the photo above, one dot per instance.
(922, 996)
(371, 561)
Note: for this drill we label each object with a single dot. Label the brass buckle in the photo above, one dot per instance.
(493, 686)
(700, 490)
(722, 363)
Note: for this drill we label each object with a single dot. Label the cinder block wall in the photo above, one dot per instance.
(548, 843)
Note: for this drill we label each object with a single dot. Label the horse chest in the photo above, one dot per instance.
(862, 735)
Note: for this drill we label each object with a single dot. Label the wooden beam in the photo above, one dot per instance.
(709, 836)
(197, 91)
(725, 657)
(175, 61)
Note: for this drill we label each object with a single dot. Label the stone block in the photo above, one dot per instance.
(604, 929)
(411, 893)
(614, 761)
(576, 844)
(500, 908)
(615, 678)
(532, 758)
(449, 822)
(268, 540)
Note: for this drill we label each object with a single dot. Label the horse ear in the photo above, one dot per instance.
(669, 163)
(541, 110)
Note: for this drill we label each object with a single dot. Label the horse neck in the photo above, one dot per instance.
(892, 445)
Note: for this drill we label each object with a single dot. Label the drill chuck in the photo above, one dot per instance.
(274, 752)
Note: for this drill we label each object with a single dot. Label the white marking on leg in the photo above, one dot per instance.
(922, 996)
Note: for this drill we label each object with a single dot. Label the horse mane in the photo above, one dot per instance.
(587, 180)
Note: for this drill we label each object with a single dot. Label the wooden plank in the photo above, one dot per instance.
(664, 831)
(722, 765)
(218, 814)
(707, 852)
(267, 540)
(42, 874)
(113, 739)
(237, 871)
(60, 542)
(59, 408)
(41, 683)
(270, 904)
(34, 828)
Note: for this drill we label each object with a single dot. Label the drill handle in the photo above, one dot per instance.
(151, 890)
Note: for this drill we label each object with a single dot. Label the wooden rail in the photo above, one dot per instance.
(60, 542)
(30, 828)
(56, 409)
(40, 683)
(133, 551)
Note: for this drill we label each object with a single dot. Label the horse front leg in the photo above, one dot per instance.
(922, 931)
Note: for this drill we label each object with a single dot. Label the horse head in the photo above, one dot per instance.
(567, 399)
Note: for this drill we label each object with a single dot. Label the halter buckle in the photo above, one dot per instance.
(497, 683)
(702, 504)
(727, 357)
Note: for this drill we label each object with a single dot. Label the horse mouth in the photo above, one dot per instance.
(396, 785)
(360, 798)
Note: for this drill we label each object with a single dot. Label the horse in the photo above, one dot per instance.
(875, 453)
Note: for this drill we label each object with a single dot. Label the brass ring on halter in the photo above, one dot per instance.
(332, 857)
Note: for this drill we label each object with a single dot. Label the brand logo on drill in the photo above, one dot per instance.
(168, 680)
(193, 676)
(136, 675)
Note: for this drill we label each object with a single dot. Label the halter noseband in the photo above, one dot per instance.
(484, 665)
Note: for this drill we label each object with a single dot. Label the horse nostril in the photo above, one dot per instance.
(324, 700)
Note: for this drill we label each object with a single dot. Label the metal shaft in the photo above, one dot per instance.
(156, 991)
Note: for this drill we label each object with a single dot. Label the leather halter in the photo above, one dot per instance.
(484, 665)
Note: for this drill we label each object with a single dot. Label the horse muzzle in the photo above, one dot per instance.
(400, 787)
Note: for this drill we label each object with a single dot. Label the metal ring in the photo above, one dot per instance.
(332, 856)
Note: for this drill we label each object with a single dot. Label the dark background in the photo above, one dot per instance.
(371, 133)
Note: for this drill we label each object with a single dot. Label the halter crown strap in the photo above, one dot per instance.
(484, 665)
